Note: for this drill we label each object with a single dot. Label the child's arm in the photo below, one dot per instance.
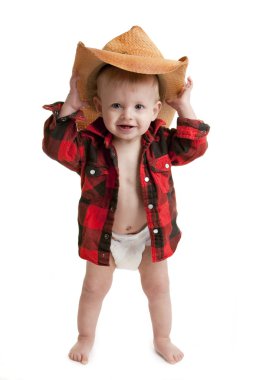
(188, 141)
(61, 141)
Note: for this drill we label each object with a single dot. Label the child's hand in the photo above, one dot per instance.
(73, 98)
(72, 102)
(182, 102)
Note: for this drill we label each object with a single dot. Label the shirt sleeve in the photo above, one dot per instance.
(62, 141)
(188, 141)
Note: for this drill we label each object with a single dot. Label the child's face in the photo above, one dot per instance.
(127, 108)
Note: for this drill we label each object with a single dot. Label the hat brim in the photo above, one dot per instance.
(88, 62)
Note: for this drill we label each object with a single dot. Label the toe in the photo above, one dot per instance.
(179, 356)
(171, 359)
(84, 359)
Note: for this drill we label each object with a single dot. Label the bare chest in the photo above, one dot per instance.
(128, 165)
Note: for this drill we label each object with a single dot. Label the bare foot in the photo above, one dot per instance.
(80, 351)
(167, 350)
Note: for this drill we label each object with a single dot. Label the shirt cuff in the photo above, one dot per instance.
(191, 129)
(56, 108)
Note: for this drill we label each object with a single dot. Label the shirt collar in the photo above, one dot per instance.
(98, 128)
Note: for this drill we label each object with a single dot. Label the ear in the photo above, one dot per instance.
(156, 109)
(97, 103)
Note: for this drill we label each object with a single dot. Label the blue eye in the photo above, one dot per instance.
(115, 105)
(139, 106)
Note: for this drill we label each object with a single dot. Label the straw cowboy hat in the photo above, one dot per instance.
(132, 51)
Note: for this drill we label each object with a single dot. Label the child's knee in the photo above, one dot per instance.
(95, 287)
(155, 287)
(97, 281)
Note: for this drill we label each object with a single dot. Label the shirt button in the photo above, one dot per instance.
(63, 119)
(167, 166)
(155, 231)
(150, 206)
(106, 236)
(146, 179)
(92, 171)
(112, 209)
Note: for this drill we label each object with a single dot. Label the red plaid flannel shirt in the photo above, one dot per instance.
(91, 154)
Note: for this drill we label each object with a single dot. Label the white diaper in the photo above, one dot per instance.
(127, 249)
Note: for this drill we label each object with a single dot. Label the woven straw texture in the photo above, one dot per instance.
(132, 51)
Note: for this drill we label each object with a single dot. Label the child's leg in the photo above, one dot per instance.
(155, 284)
(97, 282)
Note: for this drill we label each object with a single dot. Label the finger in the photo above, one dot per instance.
(73, 82)
(189, 81)
(182, 91)
(75, 73)
(75, 76)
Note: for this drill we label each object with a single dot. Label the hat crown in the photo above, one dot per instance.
(134, 42)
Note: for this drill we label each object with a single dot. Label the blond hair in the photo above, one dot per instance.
(116, 74)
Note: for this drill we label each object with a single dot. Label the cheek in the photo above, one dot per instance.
(106, 115)
(148, 117)
(145, 126)
(109, 120)
(109, 113)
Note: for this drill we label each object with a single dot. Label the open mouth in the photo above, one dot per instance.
(126, 126)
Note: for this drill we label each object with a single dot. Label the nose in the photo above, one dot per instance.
(127, 114)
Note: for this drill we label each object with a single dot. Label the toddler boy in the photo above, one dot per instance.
(127, 210)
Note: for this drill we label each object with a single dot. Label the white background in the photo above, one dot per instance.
(40, 271)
